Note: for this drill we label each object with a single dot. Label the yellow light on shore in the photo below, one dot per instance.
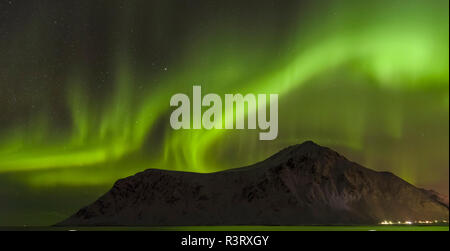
(388, 222)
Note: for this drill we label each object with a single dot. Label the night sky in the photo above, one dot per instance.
(85, 89)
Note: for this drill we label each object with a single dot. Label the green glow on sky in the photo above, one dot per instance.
(370, 80)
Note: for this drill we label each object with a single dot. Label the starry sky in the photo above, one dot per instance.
(85, 89)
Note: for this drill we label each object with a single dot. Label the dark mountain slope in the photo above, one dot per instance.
(301, 185)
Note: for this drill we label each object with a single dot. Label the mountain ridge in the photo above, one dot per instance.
(304, 184)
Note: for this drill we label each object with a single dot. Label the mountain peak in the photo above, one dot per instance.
(309, 142)
(307, 150)
(310, 146)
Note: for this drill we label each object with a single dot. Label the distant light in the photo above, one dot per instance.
(386, 222)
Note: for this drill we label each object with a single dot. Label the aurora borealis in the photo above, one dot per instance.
(85, 89)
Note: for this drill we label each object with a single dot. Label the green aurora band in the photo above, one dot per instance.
(352, 75)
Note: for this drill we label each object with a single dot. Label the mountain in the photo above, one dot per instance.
(304, 184)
